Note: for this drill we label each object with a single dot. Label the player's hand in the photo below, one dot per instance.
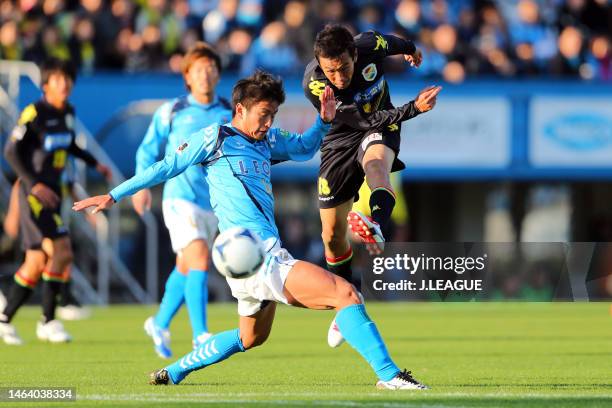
(415, 58)
(101, 202)
(105, 171)
(328, 105)
(45, 195)
(142, 201)
(426, 99)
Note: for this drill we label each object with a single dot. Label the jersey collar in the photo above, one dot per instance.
(207, 106)
(245, 137)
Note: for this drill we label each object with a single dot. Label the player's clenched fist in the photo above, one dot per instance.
(426, 99)
(415, 58)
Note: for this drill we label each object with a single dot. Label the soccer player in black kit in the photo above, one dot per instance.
(364, 139)
(38, 150)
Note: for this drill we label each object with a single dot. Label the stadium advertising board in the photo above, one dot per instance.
(460, 133)
(571, 132)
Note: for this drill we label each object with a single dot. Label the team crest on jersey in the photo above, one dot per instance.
(181, 148)
(70, 121)
(369, 72)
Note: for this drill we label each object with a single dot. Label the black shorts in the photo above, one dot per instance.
(36, 222)
(341, 173)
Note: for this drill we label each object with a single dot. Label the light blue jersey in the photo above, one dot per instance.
(172, 124)
(237, 170)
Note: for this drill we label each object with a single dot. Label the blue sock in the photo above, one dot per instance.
(196, 298)
(215, 349)
(361, 333)
(172, 300)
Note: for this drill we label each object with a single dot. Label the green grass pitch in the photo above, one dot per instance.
(471, 354)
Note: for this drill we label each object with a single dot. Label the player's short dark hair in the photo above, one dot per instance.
(333, 41)
(261, 86)
(54, 66)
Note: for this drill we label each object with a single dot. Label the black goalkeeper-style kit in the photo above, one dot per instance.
(365, 116)
(37, 151)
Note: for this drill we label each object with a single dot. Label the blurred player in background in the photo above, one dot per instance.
(237, 158)
(364, 140)
(186, 202)
(69, 308)
(38, 150)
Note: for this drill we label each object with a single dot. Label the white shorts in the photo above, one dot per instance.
(187, 222)
(266, 285)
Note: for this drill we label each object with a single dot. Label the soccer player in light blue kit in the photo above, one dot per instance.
(236, 158)
(186, 202)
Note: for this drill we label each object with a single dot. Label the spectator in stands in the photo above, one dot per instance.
(220, 21)
(570, 57)
(234, 47)
(10, 47)
(271, 52)
(490, 37)
(600, 58)
(82, 47)
(54, 45)
(300, 29)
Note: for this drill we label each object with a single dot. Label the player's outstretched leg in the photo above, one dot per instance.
(377, 163)
(315, 288)
(253, 331)
(157, 326)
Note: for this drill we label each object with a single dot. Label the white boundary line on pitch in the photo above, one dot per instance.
(283, 403)
(380, 394)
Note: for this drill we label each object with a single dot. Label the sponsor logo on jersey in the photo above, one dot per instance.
(368, 98)
(54, 141)
(316, 87)
(373, 137)
(380, 42)
(369, 72)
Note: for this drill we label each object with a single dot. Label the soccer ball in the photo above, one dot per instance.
(238, 253)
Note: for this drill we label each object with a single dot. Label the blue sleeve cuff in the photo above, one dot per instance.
(322, 123)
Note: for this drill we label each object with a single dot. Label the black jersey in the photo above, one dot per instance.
(40, 143)
(365, 104)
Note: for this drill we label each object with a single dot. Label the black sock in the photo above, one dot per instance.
(342, 270)
(18, 295)
(51, 290)
(382, 202)
(341, 265)
(66, 296)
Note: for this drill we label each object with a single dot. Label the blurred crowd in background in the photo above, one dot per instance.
(459, 38)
